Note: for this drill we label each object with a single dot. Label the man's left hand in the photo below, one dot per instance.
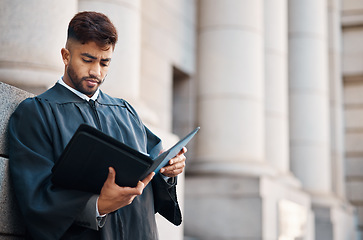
(176, 165)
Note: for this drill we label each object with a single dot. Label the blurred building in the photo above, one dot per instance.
(276, 86)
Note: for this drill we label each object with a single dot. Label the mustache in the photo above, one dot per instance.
(92, 78)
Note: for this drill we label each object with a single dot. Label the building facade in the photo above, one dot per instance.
(275, 85)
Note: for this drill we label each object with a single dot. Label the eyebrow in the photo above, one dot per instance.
(93, 57)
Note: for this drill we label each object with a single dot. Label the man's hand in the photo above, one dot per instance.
(113, 197)
(176, 165)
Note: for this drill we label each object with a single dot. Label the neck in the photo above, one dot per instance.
(67, 80)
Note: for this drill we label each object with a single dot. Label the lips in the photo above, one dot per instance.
(91, 79)
(92, 82)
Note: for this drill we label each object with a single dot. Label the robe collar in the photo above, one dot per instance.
(60, 94)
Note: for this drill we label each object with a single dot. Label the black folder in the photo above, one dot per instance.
(84, 163)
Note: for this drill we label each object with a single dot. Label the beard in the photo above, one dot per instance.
(81, 83)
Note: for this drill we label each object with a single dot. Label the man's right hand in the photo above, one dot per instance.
(113, 197)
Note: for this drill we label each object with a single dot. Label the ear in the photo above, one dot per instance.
(66, 56)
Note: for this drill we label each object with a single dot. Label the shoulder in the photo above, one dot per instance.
(34, 107)
(34, 104)
(106, 99)
(29, 110)
(58, 94)
(27, 105)
(29, 113)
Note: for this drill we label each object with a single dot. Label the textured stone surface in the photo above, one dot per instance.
(9, 237)
(10, 97)
(11, 226)
(10, 221)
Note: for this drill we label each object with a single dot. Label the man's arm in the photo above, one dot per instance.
(48, 211)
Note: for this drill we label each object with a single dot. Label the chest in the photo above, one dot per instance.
(115, 121)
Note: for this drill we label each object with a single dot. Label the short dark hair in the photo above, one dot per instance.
(92, 27)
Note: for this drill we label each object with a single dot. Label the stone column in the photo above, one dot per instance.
(124, 74)
(230, 97)
(310, 118)
(224, 186)
(309, 95)
(336, 98)
(343, 217)
(32, 35)
(276, 82)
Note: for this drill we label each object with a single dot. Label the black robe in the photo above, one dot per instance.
(39, 130)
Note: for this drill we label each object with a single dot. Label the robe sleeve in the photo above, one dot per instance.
(48, 211)
(165, 199)
(165, 194)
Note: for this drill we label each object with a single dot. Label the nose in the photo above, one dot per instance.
(95, 70)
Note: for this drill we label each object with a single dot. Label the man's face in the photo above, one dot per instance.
(86, 66)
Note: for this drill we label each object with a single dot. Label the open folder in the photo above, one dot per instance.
(84, 162)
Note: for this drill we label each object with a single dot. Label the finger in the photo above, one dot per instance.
(173, 173)
(174, 170)
(184, 150)
(175, 166)
(177, 158)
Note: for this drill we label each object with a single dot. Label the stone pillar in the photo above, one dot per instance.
(124, 75)
(336, 98)
(286, 202)
(223, 182)
(344, 219)
(352, 23)
(276, 82)
(311, 139)
(230, 97)
(32, 35)
(309, 95)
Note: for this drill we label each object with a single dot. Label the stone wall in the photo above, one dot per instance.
(11, 226)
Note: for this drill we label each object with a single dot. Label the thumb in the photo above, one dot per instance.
(148, 179)
(111, 175)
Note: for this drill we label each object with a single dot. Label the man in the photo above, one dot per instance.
(42, 126)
